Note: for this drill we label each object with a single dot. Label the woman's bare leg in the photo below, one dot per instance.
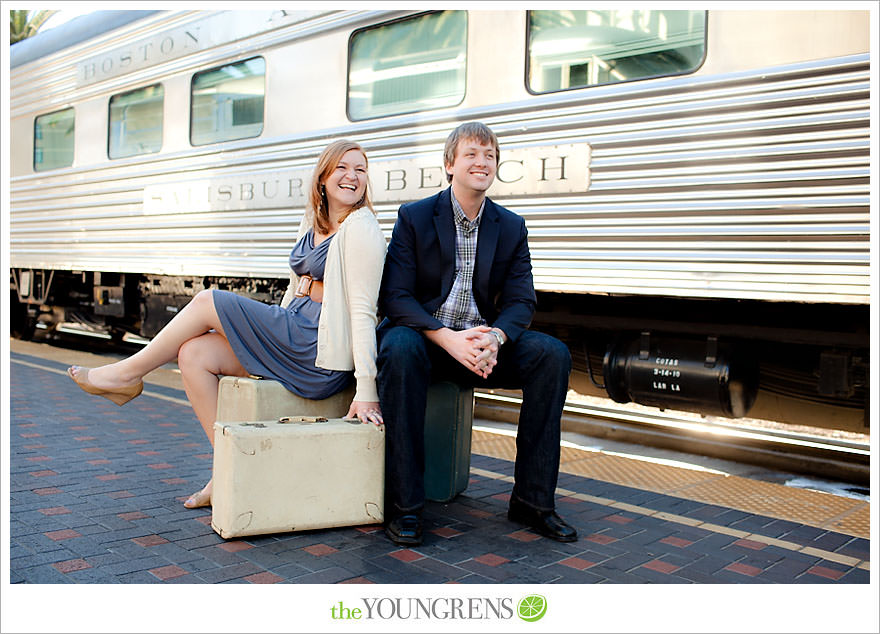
(196, 318)
(202, 360)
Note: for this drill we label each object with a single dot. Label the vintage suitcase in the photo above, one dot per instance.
(448, 420)
(243, 399)
(273, 477)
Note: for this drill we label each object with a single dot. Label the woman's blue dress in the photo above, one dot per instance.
(282, 343)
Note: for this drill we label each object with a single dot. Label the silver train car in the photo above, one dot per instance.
(695, 183)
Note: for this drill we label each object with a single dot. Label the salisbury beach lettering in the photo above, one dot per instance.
(286, 189)
(548, 169)
(529, 170)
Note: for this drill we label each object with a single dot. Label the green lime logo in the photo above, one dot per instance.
(532, 608)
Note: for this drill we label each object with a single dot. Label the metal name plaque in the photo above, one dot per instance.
(534, 170)
(186, 39)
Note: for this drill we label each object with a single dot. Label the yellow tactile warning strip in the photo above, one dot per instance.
(654, 477)
(689, 521)
(813, 508)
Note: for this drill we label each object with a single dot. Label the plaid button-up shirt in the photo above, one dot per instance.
(459, 311)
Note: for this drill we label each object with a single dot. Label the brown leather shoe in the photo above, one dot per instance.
(546, 523)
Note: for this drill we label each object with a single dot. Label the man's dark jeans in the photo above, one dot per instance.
(408, 363)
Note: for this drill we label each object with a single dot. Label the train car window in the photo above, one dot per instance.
(53, 140)
(573, 49)
(408, 65)
(136, 122)
(227, 102)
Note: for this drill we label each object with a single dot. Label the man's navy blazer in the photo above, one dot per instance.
(420, 267)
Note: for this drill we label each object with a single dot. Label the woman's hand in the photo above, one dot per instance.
(366, 412)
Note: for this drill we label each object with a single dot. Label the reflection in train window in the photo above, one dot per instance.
(53, 140)
(572, 49)
(136, 122)
(407, 66)
(227, 102)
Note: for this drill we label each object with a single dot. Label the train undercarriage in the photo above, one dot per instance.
(796, 363)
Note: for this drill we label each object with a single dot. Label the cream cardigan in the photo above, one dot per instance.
(352, 274)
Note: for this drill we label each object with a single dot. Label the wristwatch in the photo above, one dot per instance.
(498, 337)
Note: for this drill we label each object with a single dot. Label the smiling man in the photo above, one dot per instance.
(458, 296)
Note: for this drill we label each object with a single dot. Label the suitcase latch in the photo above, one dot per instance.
(303, 419)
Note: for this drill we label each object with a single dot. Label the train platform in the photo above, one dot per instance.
(97, 492)
(96, 497)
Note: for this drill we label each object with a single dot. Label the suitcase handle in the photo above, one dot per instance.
(303, 419)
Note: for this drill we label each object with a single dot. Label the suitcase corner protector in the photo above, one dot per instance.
(375, 511)
(219, 531)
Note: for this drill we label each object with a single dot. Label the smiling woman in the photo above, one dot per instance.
(346, 186)
(316, 343)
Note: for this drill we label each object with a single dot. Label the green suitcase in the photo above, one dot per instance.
(449, 416)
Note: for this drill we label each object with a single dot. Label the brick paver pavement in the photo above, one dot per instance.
(96, 496)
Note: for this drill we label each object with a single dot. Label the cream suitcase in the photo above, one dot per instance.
(242, 399)
(273, 477)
